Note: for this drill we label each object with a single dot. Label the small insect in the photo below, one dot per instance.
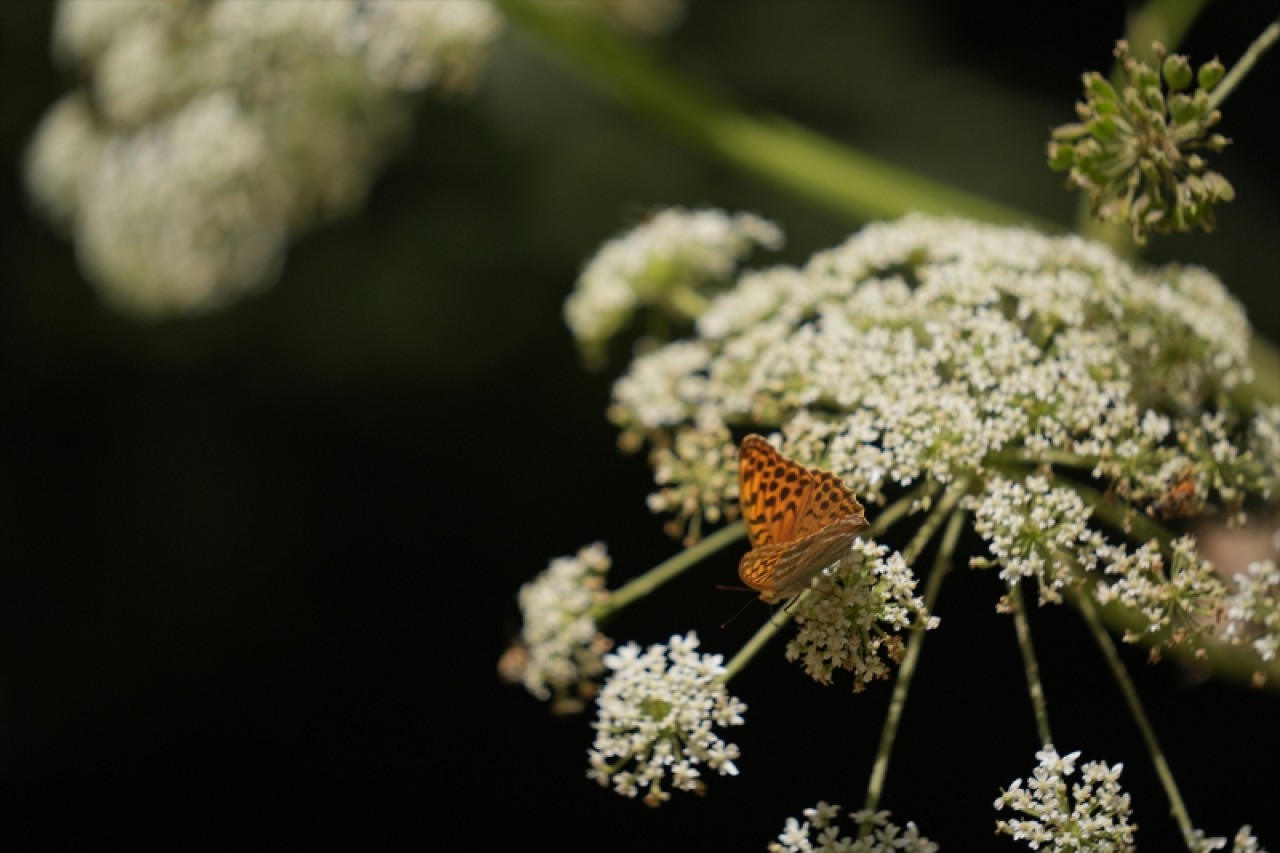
(799, 520)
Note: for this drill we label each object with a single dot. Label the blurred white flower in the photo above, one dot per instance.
(209, 133)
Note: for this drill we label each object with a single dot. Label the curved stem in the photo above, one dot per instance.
(799, 160)
(889, 732)
(660, 574)
(1029, 663)
(1130, 693)
(900, 507)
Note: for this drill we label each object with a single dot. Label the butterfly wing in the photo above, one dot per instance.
(799, 520)
(770, 490)
(784, 569)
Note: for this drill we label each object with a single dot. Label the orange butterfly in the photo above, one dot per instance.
(799, 520)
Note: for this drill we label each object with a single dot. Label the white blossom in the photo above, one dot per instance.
(1253, 609)
(817, 833)
(656, 720)
(670, 262)
(560, 651)
(854, 619)
(220, 129)
(1060, 814)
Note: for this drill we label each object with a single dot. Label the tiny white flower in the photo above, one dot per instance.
(656, 719)
(1091, 815)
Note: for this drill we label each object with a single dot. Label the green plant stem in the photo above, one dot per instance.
(1130, 693)
(889, 732)
(1245, 64)
(1048, 456)
(660, 574)
(1029, 663)
(757, 642)
(770, 147)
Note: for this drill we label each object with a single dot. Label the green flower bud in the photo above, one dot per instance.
(1177, 72)
(1211, 73)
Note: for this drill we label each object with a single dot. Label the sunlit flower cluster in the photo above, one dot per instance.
(854, 619)
(559, 654)
(658, 710)
(210, 132)
(1060, 814)
(935, 350)
(818, 833)
(670, 264)
(1181, 595)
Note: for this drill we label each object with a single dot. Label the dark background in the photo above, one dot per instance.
(258, 567)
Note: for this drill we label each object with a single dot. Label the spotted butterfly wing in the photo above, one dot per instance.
(799, 520)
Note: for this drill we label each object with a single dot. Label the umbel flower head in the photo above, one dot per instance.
(559, 654)
(1059, 813)
(1135, 151)
(657, 714)
(1042, 371)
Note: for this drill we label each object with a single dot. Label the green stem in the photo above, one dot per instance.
(657, 576)
(941, 561)
(1130, 693)
(1029, 663)
(1245, 64)
(1048, 456)
(801, 161)
(757, 642)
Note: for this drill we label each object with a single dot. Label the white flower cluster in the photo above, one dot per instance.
(1092, 814)
(1181, 595)
(1243, 842)
(932, 348)
(853, 619)
(669, 263)
(656, 716)
(1253, 610)
(1036, 531)
(560, 651)
(817, 833)
(209, 132)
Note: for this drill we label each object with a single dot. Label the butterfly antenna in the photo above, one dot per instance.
(738, 612)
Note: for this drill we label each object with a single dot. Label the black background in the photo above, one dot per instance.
(258, 568)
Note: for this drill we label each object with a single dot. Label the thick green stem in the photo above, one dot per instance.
(1130, 693)
(1029, 663)
(889, 732)
(772, 148)
(657, 576)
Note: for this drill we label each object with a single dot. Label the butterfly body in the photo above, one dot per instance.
(799, 520)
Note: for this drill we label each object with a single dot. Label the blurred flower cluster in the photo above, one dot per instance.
(204, 134)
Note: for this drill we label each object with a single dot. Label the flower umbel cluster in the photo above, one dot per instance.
(818, 833)
(559, 654)
(1091, 814)
(929, 351)
(854, 617)
(1253, 610)
(210, 131)
(669, 264)
(657, 713)
(1035, 531)
(1134, 152)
